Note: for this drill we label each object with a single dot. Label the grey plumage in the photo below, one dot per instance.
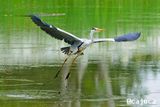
(55, 32)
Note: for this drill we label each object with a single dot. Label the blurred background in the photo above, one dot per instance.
(105, 76)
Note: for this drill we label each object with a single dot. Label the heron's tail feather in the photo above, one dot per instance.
(65, 50)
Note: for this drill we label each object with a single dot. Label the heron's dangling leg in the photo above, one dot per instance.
(61, 67)
(71, 65)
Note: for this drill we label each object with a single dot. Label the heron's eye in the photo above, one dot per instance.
(93, 28)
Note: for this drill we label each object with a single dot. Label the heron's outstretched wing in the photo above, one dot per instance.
(56, 32)
(123, 38)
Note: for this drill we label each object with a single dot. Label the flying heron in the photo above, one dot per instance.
(78, 45)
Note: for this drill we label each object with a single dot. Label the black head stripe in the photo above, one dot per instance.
(93, 28)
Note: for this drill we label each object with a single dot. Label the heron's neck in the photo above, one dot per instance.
(91, 35)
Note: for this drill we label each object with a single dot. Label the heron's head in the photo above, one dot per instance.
(94, 29)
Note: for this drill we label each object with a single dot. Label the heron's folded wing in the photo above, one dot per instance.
(55, 32)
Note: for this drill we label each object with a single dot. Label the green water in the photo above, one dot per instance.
(105, 76)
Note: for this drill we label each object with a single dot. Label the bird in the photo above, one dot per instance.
(78, 45)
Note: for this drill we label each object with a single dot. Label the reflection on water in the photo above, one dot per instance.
(105, 76)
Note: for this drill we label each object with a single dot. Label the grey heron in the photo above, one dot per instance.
(78, 45)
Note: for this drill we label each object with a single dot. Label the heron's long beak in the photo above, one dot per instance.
(99, 30)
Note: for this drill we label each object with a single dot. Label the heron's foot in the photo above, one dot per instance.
(61, 68)
(68, 75)
(57, 74)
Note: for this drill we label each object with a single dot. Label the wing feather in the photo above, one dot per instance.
(122, 38)
(55, 32)
(104, 40)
